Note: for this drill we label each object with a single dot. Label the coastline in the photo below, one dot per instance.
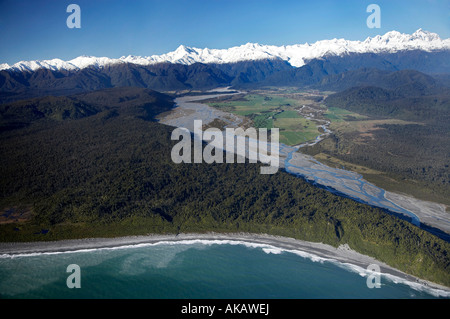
(343, 255)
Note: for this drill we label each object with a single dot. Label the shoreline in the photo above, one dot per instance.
(342, 255)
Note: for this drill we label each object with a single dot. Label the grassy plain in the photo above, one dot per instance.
(268, 110)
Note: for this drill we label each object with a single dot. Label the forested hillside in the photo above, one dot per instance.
(413, 153)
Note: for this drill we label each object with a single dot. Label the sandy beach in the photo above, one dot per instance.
(342, 254)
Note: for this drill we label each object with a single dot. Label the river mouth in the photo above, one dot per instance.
(429, 216)
(188, 109)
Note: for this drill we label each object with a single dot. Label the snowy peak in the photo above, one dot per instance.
(297, 55)
(78, 63)
(90, 61)
(425, 36)
(420, 39)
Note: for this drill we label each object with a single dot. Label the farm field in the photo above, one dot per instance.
(270, 110)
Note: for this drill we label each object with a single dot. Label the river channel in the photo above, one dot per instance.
(427, 215)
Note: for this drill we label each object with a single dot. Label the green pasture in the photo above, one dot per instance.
(269, 111)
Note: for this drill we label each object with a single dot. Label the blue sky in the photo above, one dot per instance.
(37, 30)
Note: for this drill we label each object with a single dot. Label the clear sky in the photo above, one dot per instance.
(37, 30)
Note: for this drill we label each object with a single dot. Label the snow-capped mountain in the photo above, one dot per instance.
(297, 55)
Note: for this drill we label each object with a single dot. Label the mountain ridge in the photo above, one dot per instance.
(296, 55)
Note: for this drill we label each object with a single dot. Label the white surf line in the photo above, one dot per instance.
(269, 245)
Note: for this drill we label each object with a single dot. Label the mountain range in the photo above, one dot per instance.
(322, 65)
(296, 55)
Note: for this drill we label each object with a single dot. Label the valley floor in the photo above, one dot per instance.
(349, 183)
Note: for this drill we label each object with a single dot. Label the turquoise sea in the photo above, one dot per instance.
(195, 270)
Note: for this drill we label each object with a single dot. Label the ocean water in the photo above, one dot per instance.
(194, 269)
